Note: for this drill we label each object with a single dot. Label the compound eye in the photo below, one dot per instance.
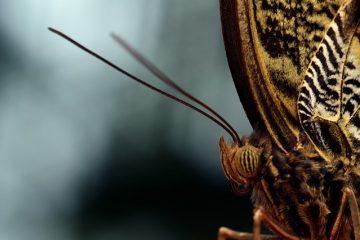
(248, 161)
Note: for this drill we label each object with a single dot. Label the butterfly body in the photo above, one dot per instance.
(299, 190)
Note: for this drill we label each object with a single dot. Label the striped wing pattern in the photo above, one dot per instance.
(329, 95)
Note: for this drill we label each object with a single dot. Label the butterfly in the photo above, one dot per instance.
(296, 68)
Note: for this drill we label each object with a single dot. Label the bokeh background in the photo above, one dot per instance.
(85, 153)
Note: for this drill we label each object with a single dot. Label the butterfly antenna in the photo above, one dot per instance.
(107, 62)
(165, 79)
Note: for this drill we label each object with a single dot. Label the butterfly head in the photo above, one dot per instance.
(241, 163)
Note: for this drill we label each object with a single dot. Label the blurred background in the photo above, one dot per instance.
(85, 153)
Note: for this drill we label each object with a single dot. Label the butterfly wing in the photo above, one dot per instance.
(269, 45)
(329, 97)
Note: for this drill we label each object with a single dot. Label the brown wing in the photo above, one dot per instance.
(269, 44)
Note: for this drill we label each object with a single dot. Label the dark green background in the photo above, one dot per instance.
(87, 154)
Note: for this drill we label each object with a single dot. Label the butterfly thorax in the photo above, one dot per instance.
(292, 190)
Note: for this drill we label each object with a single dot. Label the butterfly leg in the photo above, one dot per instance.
(354, 209)
(348, 197)
(261, 217)
(336, 225)
(226, 233)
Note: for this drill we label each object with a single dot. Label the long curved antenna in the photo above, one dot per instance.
(107, 62)
(165, 79)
